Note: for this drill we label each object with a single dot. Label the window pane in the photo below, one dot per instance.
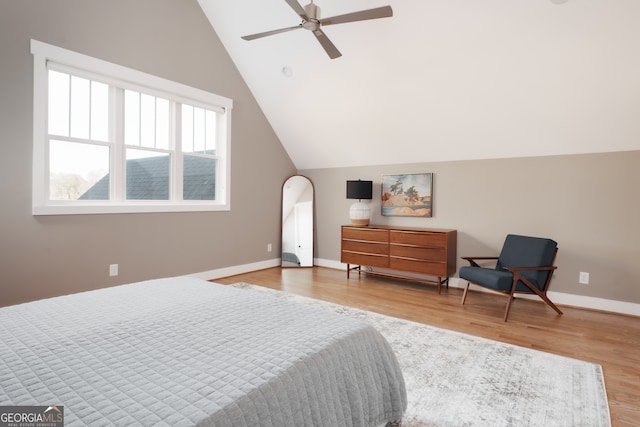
(131, 117)
(99, 111)
(187, 128)
(199, 178)
(210, 144)
(80, 96)
(198, 130)
(147, 120)
(58, 103)
(148, 175)
(78, 171)
(162, 123)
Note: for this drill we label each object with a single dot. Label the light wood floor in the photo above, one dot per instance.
(610, 340)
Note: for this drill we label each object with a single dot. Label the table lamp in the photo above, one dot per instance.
(359, 213)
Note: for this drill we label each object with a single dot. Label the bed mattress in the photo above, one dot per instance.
(183, 351)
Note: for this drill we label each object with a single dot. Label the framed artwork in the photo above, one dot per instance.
(408, 194)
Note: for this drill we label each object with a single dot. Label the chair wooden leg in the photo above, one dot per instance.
(511, 297)
(464, 294)
(542, 295)
(506, 311)
(548, 301)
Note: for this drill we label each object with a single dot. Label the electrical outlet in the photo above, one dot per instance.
(584, 278)
(113, 270)
(269, 247)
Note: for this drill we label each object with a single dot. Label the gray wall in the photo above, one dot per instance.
(52, 255)
(587, 203)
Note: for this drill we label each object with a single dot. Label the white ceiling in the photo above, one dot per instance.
(442, 79)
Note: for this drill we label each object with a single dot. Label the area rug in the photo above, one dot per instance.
(455, 379)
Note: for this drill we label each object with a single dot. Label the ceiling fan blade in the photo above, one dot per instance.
(329, 47)
(270, 33)
(363, 15)
(298, 9)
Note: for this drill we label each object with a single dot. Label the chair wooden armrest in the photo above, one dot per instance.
(516, 269)
(472, 259)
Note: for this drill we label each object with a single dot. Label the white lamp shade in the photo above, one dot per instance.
(359, 213)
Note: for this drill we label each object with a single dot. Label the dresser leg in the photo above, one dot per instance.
(355, 267)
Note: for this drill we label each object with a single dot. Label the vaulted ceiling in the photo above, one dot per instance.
(442, 79)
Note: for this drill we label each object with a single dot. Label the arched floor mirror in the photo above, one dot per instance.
(297, 222)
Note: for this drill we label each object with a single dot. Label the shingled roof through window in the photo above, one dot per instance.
(148, 179)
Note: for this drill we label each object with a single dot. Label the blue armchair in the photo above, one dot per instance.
(525, 266)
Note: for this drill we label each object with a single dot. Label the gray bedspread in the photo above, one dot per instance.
(184, 351)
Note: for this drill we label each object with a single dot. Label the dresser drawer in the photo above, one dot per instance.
(376, 248)
(419, 239)
(370, 260)
(418, 252)
(366, 234)
(430, 268)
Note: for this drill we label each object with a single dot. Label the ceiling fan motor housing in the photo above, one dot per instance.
(313, 11)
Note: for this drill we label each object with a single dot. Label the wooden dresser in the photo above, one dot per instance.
(419, 251)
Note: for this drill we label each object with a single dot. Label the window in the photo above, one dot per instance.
(109, 139)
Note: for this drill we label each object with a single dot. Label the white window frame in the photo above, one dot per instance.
(41, 205)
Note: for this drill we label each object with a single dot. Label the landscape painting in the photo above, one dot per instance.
(407, 194)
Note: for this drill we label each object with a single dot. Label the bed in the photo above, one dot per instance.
(183, 351)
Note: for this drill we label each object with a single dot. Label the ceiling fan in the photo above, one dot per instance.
(311, 21)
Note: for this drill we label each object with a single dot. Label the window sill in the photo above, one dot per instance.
(142, 207)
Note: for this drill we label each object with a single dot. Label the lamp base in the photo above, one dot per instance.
(359, 213)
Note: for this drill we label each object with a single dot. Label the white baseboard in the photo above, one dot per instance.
(560, 298)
